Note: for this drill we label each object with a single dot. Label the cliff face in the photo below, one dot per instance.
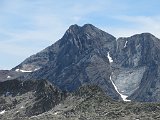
(88, 55)
(138, 72)
(79, 58)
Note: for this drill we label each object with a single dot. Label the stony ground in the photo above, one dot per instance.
(20, 99)
(90, 103)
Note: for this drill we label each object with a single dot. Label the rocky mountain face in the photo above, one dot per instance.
(137, 74)
(27, 98)
(86, 75)
(123, 67)
(79, 58)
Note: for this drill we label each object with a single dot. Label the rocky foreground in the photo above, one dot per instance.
(43, 101)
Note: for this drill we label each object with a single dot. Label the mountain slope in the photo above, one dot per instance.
(80, 57)
(88, 55)
(138, 61)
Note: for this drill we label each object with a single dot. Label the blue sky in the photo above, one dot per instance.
(28, 26)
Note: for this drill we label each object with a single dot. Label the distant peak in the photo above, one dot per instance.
(75, 26)
(147, 34)
(144, 34)
(85, 26)
(73, 29)
(88, 25)
(86, 29)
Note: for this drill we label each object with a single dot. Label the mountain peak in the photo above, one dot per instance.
(75, 26)
(146, 34)
(73, 29)
(86, 27)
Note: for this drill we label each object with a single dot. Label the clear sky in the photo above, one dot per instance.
(28, 26)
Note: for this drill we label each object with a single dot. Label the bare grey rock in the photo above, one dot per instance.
(80, 57)
(19, 99)
(88, 55)
(133, 55)
(90, 103)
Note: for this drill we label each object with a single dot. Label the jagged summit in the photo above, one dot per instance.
(73, 29)
(85, 26)
(87, 30)
(76, 28)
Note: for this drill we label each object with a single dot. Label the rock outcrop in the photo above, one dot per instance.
(28, 98)
(90, 102)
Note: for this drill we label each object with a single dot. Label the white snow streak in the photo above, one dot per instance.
(19, 70)
(25, 71)
(109, 57)
(36, 69)
(2, 112)
(124, 97)
(125, 44)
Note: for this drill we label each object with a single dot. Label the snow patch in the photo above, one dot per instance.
(124, 97)
(56, 113)
(22, 107)
(25, 71)
(110, 58)
(36, 69)
(8, 76)
(125, 44)
(2, 112)
(19, 70)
